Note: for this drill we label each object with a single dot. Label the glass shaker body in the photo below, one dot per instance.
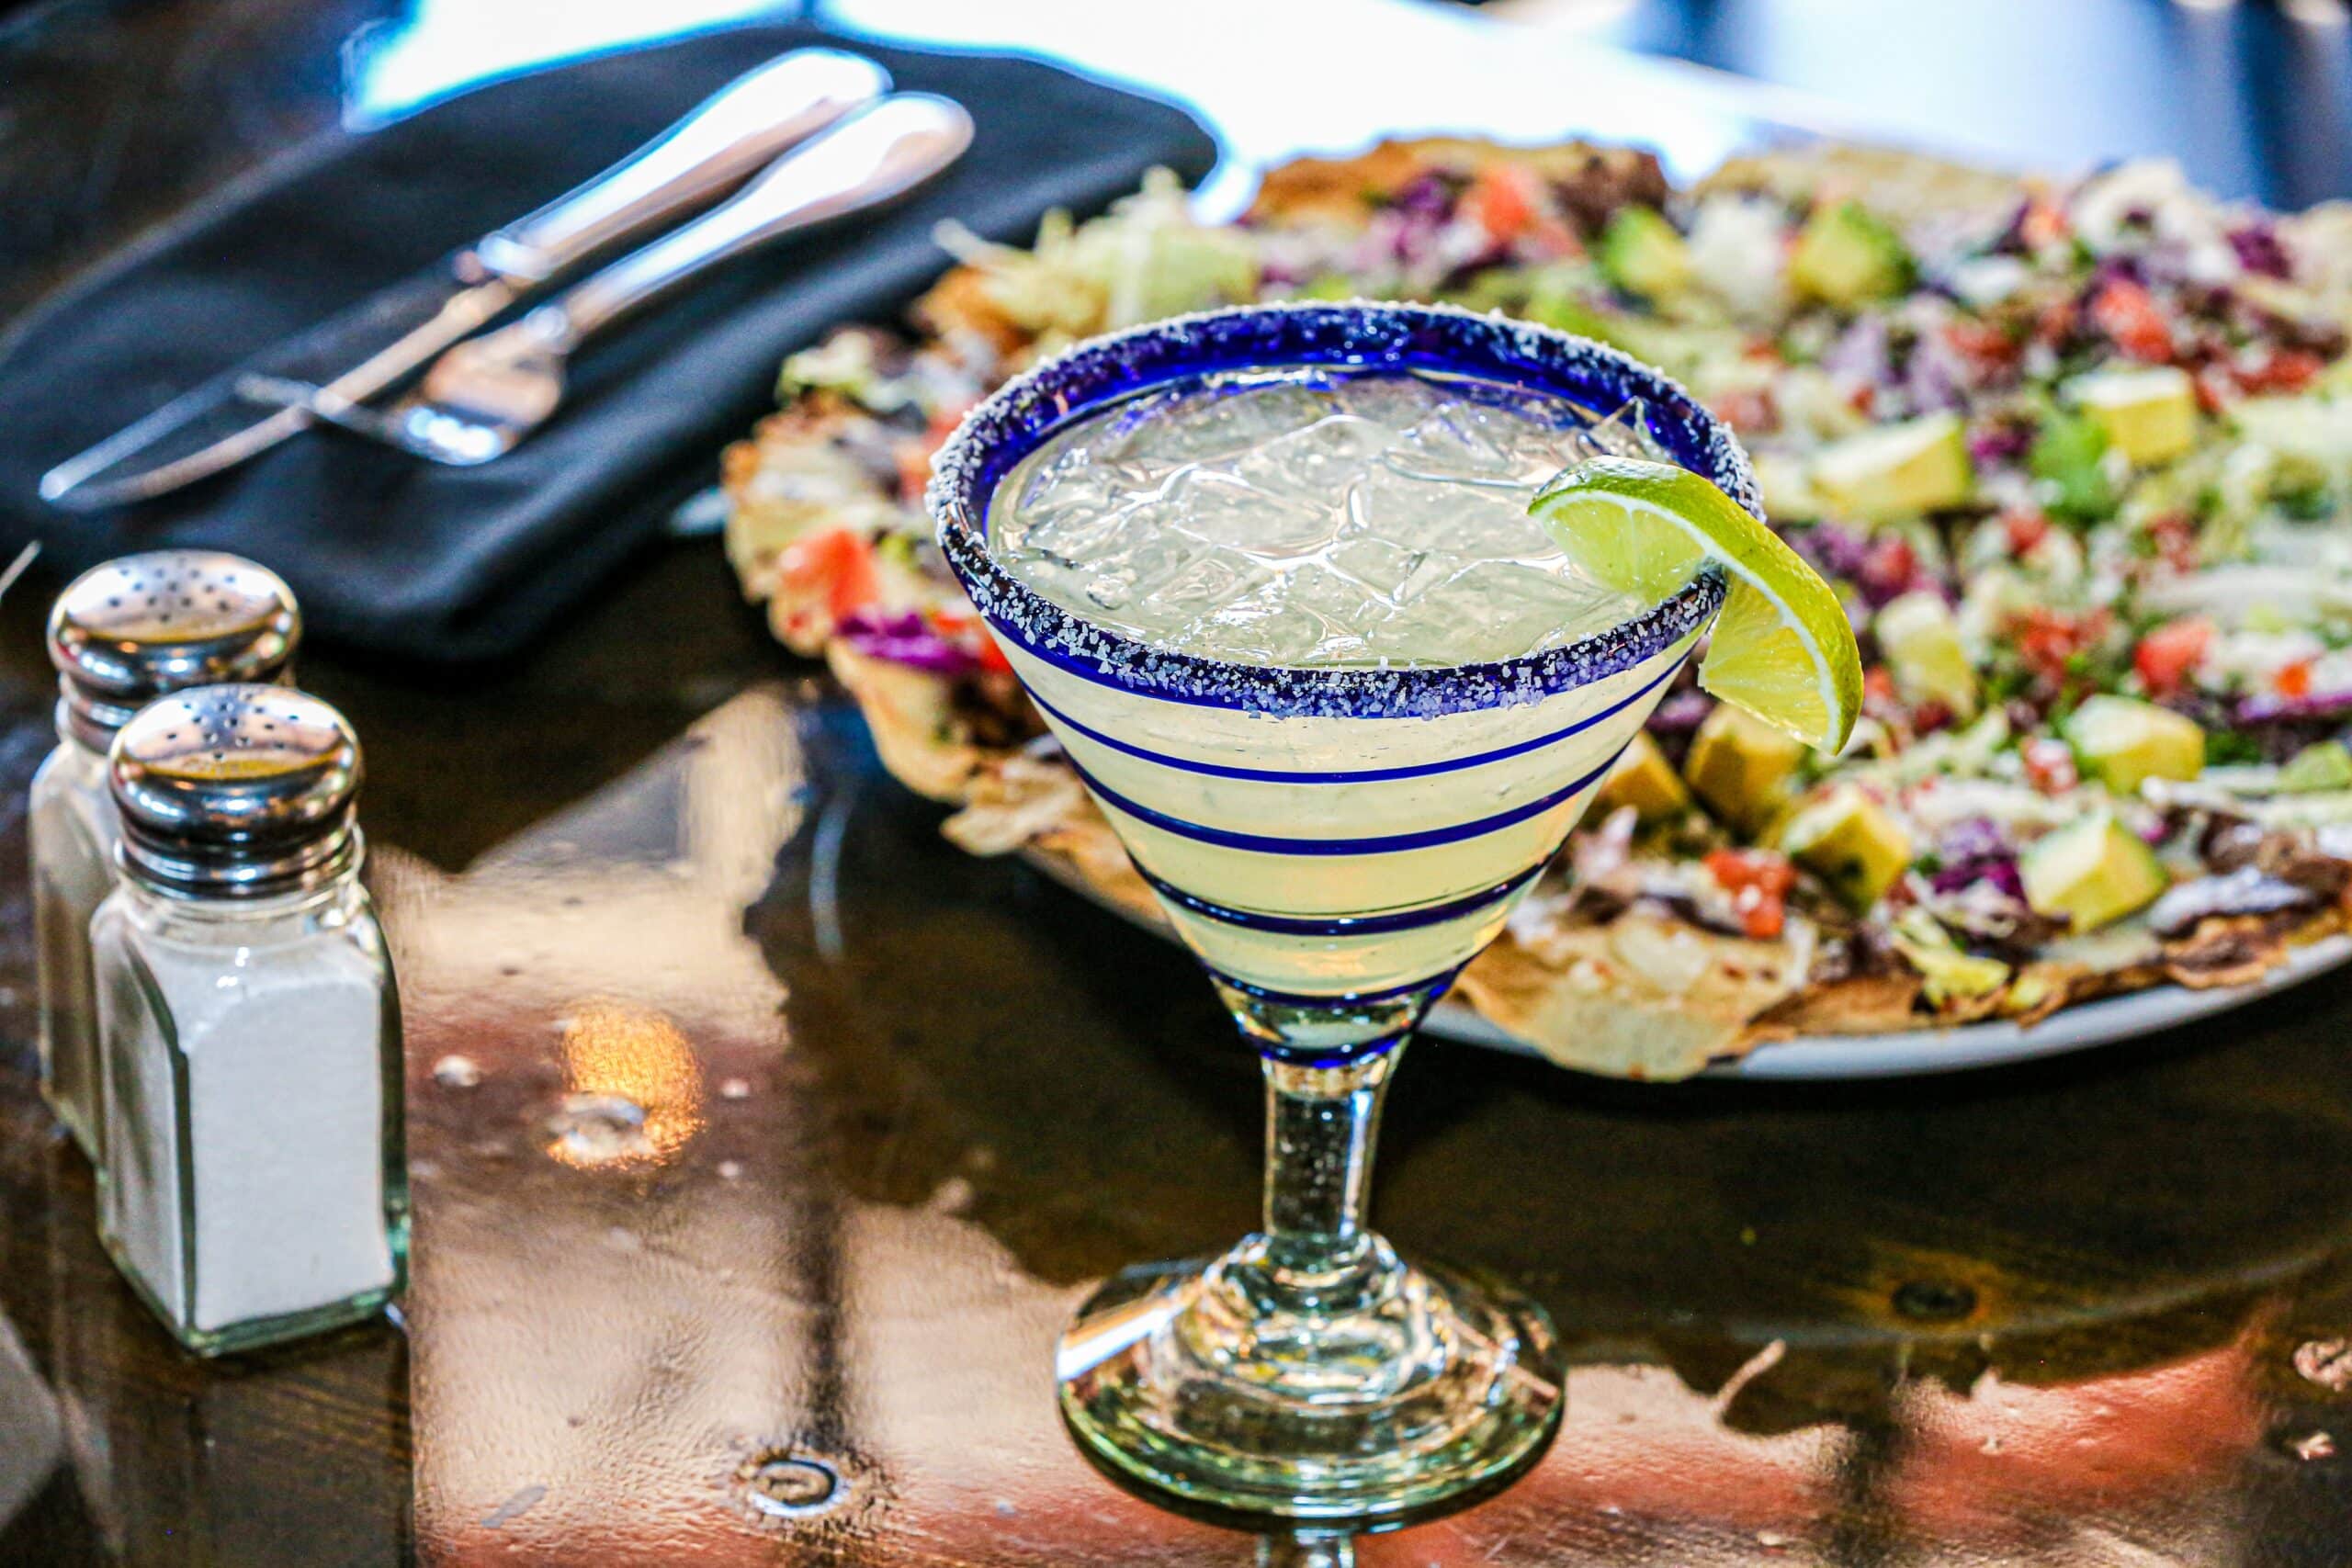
(72, 830)
(256, 1189)
(121, 635)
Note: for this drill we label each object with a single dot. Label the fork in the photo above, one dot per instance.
(482, 396)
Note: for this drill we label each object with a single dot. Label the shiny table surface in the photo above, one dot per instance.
(902, 1108)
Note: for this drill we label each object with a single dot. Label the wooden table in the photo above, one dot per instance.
(903, 1106)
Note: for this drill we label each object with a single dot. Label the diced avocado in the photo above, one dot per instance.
(1921, 640)
(1641, 254)
(1784, 487)
(1329, 285)
(1644, 780)
(1569, 315)
(1850, 842)
(1682, 349)
(1740, 766)
(2326, 765)
(2066, 456)
(1898, 471)
(1950, 973)
(2094, 871)
(2148, 412)
(2122, 740)
(1848, 256)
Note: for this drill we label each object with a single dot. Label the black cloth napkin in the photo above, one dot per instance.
(401, 557)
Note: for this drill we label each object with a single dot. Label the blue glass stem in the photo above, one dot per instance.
(1322, 1122)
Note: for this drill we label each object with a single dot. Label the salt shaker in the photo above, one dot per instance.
(121, 635)
(249, 1028)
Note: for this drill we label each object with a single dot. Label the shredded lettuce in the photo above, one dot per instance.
(1146, 258)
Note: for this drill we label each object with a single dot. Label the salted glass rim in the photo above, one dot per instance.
(1012, 422)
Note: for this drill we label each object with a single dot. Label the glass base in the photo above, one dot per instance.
(252, 1334)
(1357, 1393)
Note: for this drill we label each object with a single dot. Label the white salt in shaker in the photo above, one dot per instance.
(249, 1029)
(121, 635)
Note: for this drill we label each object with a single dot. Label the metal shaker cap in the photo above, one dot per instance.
(124, 633)
(236, 792)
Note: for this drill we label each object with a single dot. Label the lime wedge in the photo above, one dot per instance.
(1783, 647)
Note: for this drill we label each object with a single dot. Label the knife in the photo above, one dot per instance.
(394, 332)
(485, 394)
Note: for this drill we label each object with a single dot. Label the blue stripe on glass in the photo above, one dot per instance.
(1332, 1055)
(1343, 925)
(1380, 844)
(1442, 981)
(1361, 775)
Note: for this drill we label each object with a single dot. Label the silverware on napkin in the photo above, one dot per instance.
(373, 346)
(483, 395)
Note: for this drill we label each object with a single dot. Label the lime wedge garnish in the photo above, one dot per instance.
(1783, 647)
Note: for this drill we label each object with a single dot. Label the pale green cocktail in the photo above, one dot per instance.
(1269, 575)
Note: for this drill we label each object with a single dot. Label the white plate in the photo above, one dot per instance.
(1906, 1055)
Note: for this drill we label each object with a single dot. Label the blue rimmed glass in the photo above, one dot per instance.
(1333, 844)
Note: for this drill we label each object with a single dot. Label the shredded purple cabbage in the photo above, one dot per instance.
(905, 638)
(2115, 268)
(2261, 252)
(2270, 709)
(1680, 713)
(1935, 377)
(2001, 441)
(1833, 551)
(1893, 569)
(1862, 351)
(1430, 196)
(2010, 241)
(1977, 849)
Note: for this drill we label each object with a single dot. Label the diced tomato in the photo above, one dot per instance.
(2026, 527)
(1748, 410)
(1502, 201)
(966, 631)
(2128, 315)
(2166, 656)
(1735, 869)
(2056, 323)
(837, 564)
(2217, 389)
(1878, 688)
(1981, 341)
(2293, 680)
(2175, 535)
(2049, 639)
(2282, 370)
(2049, 765)
(1763, 918)
(1891, 566)
(1758, 882)
(914, 470)
(914, 453)
(2046, 638)
(2043, 224)
(1549, 239)
(1863, 397)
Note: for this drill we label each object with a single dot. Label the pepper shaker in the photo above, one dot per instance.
(249, 1026)
(121, 635)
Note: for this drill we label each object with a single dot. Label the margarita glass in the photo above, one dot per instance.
(1333, 842)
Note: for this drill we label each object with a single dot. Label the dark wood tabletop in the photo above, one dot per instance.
(903, 1106)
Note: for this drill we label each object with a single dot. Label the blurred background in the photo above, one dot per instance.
(2254, 96)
